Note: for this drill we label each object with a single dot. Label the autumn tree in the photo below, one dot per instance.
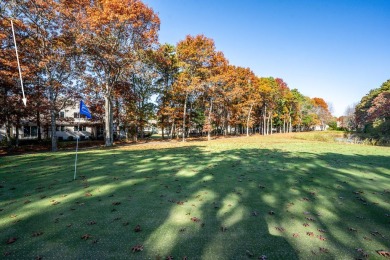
(372, 112)
(110, 35)
(195, 55)
(166, 65)
(50, 48)
(321, 109)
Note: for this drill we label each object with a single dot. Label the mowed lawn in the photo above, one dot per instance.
(274, 197)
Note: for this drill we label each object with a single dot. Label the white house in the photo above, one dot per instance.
(69, 126)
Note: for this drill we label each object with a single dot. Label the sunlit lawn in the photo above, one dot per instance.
(278, 197)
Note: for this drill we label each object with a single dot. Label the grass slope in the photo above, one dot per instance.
(223, 199)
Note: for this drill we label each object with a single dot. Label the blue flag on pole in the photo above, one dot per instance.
(84, 110)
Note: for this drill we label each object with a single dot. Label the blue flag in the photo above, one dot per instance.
(84, 110)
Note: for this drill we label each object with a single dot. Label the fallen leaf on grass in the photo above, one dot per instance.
(169, 257)
(91, 223)
(125, 223)
(271, 212)
(324, 250)
(375, 233)
(262, 257)
(88, 194)
(255, 213)
(321, 230)
(280, 229)
(249, 253)
(11, 240)
(37, 234)
(310, 234)
(137, 248)
(27, 201)
(195, 219)
(182, 229)
(311, 219)
(295, 235)
(306, 224)
(321, 238)
(383, 253)
(352, 229)
(223, 228)
(86, 236)
(116, 203)
(180, 203)
(137, 228)
(362, 252)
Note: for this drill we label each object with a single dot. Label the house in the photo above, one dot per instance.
(69, 126)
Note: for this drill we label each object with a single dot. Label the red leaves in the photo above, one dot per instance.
(321, 238)
(195, 219)
(137, 248)
(383, 253)
(11, 240)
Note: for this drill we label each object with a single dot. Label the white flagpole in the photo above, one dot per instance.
(77, 147)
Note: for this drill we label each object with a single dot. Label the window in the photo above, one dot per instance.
(30, 131)
(62, 128)
(77, 115)
(62, 114)
(81, 128)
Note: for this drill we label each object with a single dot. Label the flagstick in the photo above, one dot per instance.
(77, 146)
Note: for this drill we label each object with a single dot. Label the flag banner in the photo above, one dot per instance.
(84, 110)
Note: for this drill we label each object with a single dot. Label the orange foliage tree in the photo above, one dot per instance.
(110, 35)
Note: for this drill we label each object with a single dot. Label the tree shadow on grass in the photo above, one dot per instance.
(195, 202)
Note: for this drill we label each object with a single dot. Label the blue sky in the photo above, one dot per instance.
(335, 49)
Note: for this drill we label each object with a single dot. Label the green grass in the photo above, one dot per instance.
(231, 183)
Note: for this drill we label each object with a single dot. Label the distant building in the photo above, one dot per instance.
(68, 127)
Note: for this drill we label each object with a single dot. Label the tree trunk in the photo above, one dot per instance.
(209, 130)
(108, 124)
(53, 120)
(17, 131)
(39, 125)
(53, 130)
(247, 120)
(184, 118)
(264, 120)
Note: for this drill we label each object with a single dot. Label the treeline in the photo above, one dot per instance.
(372, 114)
(107, 52)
